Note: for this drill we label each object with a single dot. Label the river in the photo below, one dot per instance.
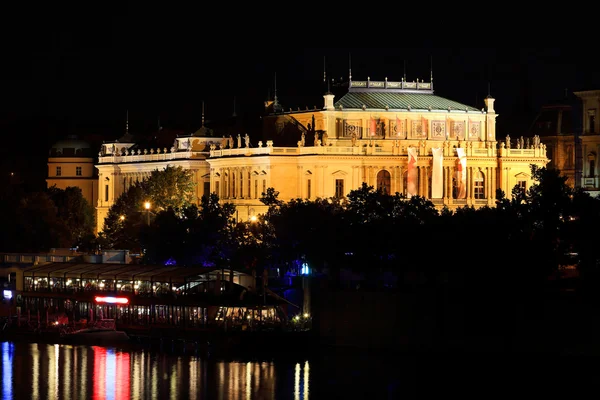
(49, 371)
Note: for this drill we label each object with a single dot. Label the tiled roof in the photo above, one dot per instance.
(394, 100)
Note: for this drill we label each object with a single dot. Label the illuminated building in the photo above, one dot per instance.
(71, 164)
(365, 136)
(570, 130)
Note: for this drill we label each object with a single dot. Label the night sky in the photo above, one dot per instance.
(63, 75)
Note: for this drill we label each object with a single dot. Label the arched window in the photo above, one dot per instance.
(479, 185)
(384, 181)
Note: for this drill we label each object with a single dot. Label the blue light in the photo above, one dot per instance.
(305, 269)
(111, 376)
(171, 261)
(7, 366)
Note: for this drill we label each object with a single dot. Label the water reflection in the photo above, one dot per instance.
(41, 371)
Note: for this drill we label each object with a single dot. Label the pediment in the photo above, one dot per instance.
(339, 172)
(522, 175)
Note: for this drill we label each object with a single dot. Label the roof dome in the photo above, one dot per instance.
(71, 146)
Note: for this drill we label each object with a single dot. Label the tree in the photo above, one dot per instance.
(39, 228)
(75, 212)
(172, 188)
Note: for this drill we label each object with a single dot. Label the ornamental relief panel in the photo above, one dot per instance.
(418, 130)
(352, 127)
(457, 130)
(438, 130)
(398, 129)
(474, 130)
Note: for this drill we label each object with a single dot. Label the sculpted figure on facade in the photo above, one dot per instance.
(247, 140)
(239, 141)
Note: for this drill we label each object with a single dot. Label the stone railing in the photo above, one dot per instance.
(151, 156)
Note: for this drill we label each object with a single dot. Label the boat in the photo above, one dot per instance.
(100, 332)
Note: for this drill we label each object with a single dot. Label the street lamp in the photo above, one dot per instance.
(147, 207)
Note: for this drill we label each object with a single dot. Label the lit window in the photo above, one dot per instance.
(308, 194)
(522, 185)
(479, 185)
(339, 188)
(58, 171)
(78, 171)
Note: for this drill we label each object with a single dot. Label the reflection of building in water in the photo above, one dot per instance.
(301, 380)
(250, 380)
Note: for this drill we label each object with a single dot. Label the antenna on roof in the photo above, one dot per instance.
(275, 96)
(202, 113)
(431, 67)
(404, 71)
(350, 66)
(127, 122)
(325, 74)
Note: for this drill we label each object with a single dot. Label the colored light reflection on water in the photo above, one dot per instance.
(7, 368)
(111, 374)
(42, 371)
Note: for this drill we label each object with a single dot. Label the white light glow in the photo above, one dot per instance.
(111, 300)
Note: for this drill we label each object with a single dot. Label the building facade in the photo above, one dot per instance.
(394, 136)
(570, 130)
(71, 164)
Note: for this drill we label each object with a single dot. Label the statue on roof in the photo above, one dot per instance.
(247, 140)
(239, 141)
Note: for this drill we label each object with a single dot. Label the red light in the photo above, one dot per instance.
(112, 300)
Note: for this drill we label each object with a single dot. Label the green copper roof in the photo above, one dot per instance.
(394, 100)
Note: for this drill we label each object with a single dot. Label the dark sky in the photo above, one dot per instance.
(66, 75)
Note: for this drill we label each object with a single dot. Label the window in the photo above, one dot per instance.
(591, 164)
(479, 185)
(78, 171)
(217, 187)
(256, 188)
(339, 188)
(249, 187)
(233, 185)
(241, 185)
(58, 171)
(264, 186)
(522, 185)
(206, 189)
(383, 181)
(308, 193)
(592, 120)
(105, 192)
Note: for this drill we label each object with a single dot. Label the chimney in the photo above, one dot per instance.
(328, 101)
